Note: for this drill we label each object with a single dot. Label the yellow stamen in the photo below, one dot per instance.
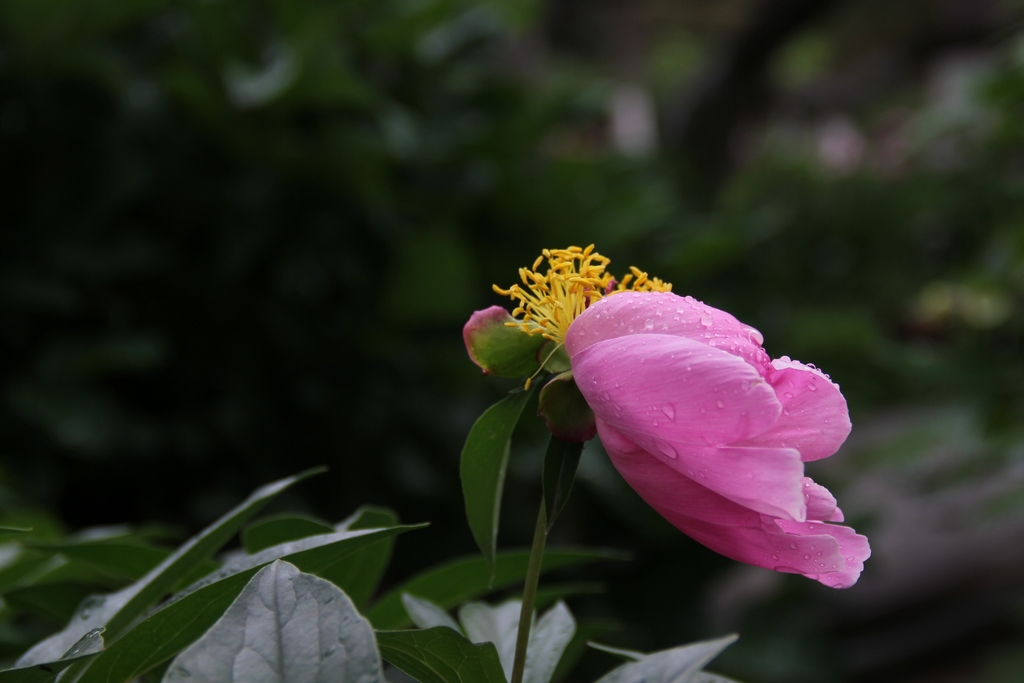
(575, 278)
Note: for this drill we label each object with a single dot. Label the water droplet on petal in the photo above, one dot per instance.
(807, 557)
(649, 324)
(668, 451)
(669, 410)
(788, 394)
(707, 320)
(703, 410)
(721, 404)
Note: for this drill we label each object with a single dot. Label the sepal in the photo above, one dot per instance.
(499, 349)
(566, 413)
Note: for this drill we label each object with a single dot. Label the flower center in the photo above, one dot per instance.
(575, 278)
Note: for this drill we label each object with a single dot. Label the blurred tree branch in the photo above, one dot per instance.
(700, 128)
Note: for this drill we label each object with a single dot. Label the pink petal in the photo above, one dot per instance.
(765, 480)
(815, 419)
(675, 389)
(640, 313)
(816, 550)
(644, 473)
(821, 504)
(853, 549)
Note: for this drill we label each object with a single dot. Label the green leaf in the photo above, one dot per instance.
(498, 349)
(90, 645)
(454, 582)
(117, 611)
(17, 562)
(360, 574)
(586, 630)
(560, 462)
(119, 558)
(500, 625)
(277, 529)
(58, 601)
(555, 357)
(566, 413)
(59, 569)
(190, 613)
(484, 460)
(440, 655)
(285, 626)
(40, 673)
(682, 664)
(426, 614)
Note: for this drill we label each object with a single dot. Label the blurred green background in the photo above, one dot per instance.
(240, 238)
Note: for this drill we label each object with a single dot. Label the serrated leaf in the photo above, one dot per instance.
(678, 665)
(284, 627)
(440, 655)
(174, 626)
(425, 614)
(361, 574)
(456, 581)
(277, 529)
(561, 459)
(116, 611)
(483, 465)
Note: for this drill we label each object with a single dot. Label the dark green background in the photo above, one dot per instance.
(238, 239)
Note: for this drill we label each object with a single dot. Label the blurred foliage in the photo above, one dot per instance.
(241, 238)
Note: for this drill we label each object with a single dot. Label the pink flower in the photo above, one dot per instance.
(713, 434)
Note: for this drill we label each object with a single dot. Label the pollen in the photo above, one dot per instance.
(576, 277)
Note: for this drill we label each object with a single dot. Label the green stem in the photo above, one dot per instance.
(540, 537)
